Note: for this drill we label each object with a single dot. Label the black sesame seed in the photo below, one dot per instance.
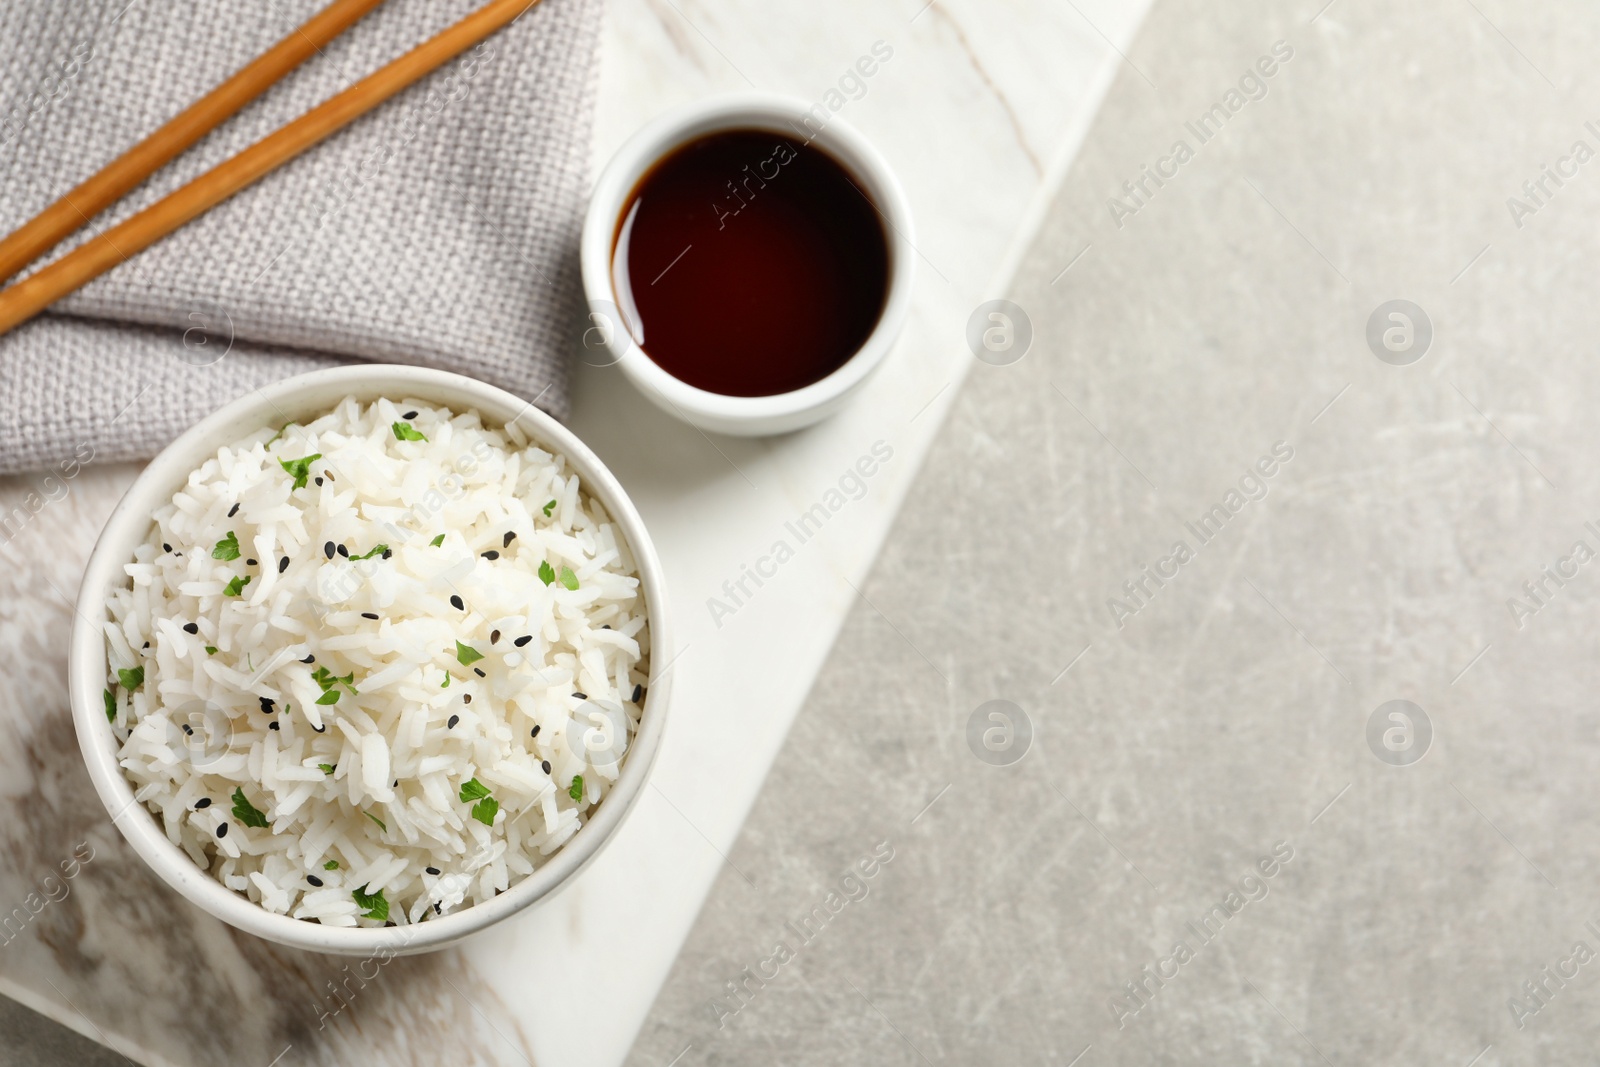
(431, 870)
(283, 564)
(607, 626)
(309, 659)
(203, 802)
(545, 766)
(273, 725)
(327, 550)
(451, 725)
(147, 644)
(320, 729)
(314, 880)
(535, 732)
(233, 511)
(505, 542)
(188, 729)
(494, 636)
(479, 672)
(222, 831)
(457, 603)
(466, 698)
(524, 639)
(386, 554)
(165, 547)
(369, 614)
(319, 481)
(191, 627)
(638, 691)
(580, 696)
(491, 554)
(251, 563)
(343, 551)
(412, 415)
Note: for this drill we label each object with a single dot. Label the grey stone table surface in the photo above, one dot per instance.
(1222, 843)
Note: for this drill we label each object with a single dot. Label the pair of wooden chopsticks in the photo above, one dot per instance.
(33, 294)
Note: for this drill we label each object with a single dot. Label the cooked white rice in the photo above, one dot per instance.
(363, 792)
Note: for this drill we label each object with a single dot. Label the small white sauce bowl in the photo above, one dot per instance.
(297, 399)
(609, 341)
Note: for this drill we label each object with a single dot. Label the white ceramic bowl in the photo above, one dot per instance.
(300, 398)
(609, 340)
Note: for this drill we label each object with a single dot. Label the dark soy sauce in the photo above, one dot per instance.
(749, 264)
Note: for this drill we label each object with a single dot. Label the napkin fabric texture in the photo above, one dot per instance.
(440, 229)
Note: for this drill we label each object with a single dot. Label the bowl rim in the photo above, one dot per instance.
(758, 110)
(128, 525)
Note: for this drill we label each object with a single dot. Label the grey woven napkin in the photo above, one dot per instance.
(440, 229)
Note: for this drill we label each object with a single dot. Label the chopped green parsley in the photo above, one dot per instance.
(486, 807)
(377, 907)
(328, 681)
(299, 469)
(227, 548)
(246, 812)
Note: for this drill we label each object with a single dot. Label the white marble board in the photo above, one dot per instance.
(979, 110)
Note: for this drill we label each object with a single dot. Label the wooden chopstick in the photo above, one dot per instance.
(52, 225)
(37, 291)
